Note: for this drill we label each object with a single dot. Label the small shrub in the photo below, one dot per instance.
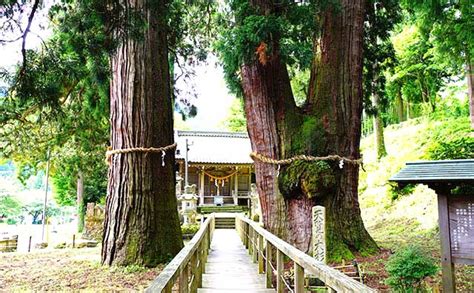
(131, 269)
(189, 228)
(408, 268)
(61, 245)
(256, 218)
(458, 148)
(11, 221)
(396, 192)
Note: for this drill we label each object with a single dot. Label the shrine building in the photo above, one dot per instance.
(219, 166)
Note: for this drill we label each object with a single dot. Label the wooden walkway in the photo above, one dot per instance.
(229, 267)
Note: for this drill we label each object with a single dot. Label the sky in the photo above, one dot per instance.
(213, 99)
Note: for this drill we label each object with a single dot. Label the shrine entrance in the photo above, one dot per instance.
(219, 166)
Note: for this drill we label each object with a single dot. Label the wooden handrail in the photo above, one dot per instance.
(253, 236)
(191, 259)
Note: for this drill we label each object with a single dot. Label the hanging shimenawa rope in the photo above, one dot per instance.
(256, 156)
(220, 178)
(161, 150)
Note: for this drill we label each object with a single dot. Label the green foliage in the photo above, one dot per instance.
(12, 221)
(236, 120)
(190, 228)
(246, 30)
(256, 218)
(9, 206)
(449, 25)
(450, 139)
(63, 190)
(408, 267)
(458, 148)
(379, 54)
(395, 191)
(60, 102)
(416, 75)
(299, 84)
(35, 209)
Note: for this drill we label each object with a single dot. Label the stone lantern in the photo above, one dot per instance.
(189, 204)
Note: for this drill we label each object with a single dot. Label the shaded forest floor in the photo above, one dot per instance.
(67, 270)
(397, 218)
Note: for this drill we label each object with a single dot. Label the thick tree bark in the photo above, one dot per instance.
(336, 100)
(329, 124)
(80, 201)
(258, 90)
(141, 220)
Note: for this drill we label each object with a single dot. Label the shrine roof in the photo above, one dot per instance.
(210, 147)
(447, 171)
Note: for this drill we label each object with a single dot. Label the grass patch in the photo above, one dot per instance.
(69, 269)
(399, 217)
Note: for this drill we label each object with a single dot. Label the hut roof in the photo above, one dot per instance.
(209, 147)
(448, 171)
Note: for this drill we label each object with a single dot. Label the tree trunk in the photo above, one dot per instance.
(141, 220)
(337, 104)
(470, 88)
(378, 128)
(257, 83)
(400, 107)
(80, 201)
(328, 124)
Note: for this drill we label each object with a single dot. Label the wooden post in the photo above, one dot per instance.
(201, 187)
(204, 255)
(250, 239)
(280, 285)
(446, 261)
(200, 266)
(194, 268)
(183, 280)
(255, 245)
(236, 188)
(73, 240)
(260, 254)
(246, 237)
(169, 288)
(268, 264)
(299, 279)
(29, 244)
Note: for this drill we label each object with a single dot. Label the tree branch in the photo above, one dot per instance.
(25, 34)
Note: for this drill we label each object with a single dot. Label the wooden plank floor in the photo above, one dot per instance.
(229, 267)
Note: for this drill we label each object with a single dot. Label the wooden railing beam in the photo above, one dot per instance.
(194, 255)
(331, 277)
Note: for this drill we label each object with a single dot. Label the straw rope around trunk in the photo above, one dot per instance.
(161, 150)
(259, 157)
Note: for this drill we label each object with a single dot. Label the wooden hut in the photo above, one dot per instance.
(218, 164)
(453, 181)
